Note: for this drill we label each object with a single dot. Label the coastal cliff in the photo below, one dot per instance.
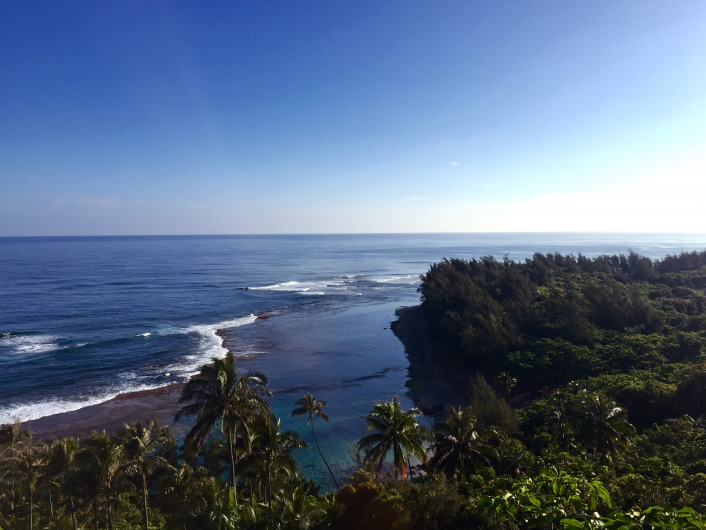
(436, 378)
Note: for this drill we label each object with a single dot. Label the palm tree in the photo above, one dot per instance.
(311, 406)
(30, 463)
(560, 416)
(140, 445)
(178, 490)
(62, 463)
(397, 431)
(299, 509)
(603, 424)
(12, 437)
(218, 396)
(505, 383)
(458, 442)
(272, 449)
(106, 457)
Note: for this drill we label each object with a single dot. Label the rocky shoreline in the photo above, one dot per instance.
(434, 381)
(112, 414)
(435, 378)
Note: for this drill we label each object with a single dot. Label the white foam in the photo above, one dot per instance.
(144, 334)
(394, 279)
(211, 344)
(318, 288)
(24, 344)
(49, 407)
(74, 346)
(292, 286)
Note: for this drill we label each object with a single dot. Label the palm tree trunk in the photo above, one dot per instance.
(73, 511)
(110, 510)
(269, 494)
(144, 498)
(322, 455)
(51, 504)
(12, 473)
(232, 466)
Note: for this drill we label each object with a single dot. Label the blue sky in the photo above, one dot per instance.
(411, 116)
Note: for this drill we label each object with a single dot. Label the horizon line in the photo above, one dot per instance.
(294, 234)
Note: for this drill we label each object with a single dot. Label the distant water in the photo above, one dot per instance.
(84, 319)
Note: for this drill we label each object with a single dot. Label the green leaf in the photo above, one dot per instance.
(572, 523)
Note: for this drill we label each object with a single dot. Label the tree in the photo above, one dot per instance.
(504, 382)
(397, 431)
(177, 492)
(458, 442)
(105, 455)
(62, 462)
(30, 463)
(12, 437)
(560, 416)
(272, 449)
(602, 423)
(141, 443)
(311, 406)
(489, 409)
(217, 395)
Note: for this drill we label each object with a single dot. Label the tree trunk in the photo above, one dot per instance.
(269, 495)
(31, 509)
(232, 466)
(73, 511)
(144, 498)
(95, 515)
(12, 473)
(322, 455)
(110, 509)
(51, 504)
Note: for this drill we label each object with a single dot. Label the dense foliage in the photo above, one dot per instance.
(630, 327)
(602, 360)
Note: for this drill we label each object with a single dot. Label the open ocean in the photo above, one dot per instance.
(83, 319)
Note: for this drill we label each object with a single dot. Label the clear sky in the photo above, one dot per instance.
(120, 117)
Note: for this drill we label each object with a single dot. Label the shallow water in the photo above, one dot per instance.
(83, 319)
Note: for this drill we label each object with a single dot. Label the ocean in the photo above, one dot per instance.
(83, 319)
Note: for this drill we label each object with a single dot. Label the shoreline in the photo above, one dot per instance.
(434, 380)
(432, 384)
(111, 414)
(128, 407)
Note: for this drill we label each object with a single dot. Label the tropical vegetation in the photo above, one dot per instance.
(594, 419)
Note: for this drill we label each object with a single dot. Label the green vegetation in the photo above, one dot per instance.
(603, 361)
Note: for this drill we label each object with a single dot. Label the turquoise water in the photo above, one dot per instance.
(83, 319)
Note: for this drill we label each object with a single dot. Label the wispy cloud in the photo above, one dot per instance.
(454, 163)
